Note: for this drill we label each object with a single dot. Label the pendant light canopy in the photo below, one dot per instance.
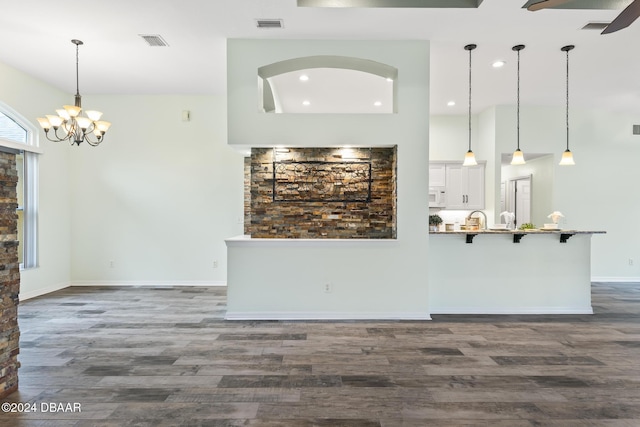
(469, 158)
(567, 156)
(518, 157)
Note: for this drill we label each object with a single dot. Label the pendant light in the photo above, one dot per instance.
(469, 158)
(567, 156)
(518, 158)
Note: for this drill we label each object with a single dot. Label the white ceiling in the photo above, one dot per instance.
(326, 90)
(605, 69)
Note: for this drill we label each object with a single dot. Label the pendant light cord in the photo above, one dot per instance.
(518, 104)
(470, 99)
(518, 48)
(567, 112)
(567, 49)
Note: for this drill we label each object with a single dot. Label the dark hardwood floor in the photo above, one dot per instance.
(135, 356)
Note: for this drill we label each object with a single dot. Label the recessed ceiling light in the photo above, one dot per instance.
(304, 78)
(498, 64)
(377, 103)
(451, 103)
(306, 103)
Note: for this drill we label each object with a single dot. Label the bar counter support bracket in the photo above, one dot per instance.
(517, 237)
(564, 237)
(470, 237)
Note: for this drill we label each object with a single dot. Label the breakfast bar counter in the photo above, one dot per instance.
(517, 235)
(510, 272)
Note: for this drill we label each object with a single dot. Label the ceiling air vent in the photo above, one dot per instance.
(154, 40)
(269, 23)
(599, 26)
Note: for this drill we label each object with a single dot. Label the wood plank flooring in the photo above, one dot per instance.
(136, 356)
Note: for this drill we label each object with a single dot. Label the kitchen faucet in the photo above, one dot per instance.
(484, 227)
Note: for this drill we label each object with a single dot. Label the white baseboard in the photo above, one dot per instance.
(322, 315)
(150, 283)
(42, 291)
(616, 279)
(502, 310)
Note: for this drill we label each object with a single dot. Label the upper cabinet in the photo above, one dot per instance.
(437, 175)
(464, 185)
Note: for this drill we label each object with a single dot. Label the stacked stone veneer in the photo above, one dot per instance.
(297, 213)
(247, 195)
(10, 275)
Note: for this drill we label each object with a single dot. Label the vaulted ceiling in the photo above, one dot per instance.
(36, 34)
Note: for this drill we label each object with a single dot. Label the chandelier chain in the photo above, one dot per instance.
(77, 69)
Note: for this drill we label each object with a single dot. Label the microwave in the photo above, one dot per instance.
(437, 197)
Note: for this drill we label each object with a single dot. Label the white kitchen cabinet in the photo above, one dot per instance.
(465, 186)
(437, 174)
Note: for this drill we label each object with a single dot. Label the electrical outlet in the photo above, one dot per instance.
(215, 263)
(327, 288)
(112, 264)
(630, 261)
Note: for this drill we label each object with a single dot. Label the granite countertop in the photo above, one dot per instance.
(529, 231)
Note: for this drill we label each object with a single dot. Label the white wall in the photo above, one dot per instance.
(158, 196)
(126, 208)
(408, 129)
(33, 98)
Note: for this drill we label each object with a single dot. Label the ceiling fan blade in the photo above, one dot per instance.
(545, 4)
(625, 19)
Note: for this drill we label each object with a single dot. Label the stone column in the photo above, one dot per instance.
(9, 276)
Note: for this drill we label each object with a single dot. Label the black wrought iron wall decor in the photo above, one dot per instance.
(322, 181)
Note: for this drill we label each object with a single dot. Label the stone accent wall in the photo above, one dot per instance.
(247, 195)
(322, 193)
(10, 275)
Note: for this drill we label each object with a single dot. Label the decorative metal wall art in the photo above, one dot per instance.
(321, 181)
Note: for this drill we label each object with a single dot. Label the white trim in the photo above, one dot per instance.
(503, 310)
(323, 315)
(42, 291)
(149, 283)
(247, 241)
(616, 279)
(33, 140)
(19, 146)
(31, 209)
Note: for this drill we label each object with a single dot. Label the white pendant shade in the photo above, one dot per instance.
(518, 158)
(567, 159)
(469, 159)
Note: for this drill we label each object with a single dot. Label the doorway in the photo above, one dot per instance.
(519, 199)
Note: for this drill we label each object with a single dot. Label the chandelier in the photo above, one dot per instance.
(70, 125)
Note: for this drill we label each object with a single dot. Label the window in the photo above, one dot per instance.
(18, 136)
